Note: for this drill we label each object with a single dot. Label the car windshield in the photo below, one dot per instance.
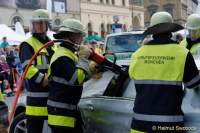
(124, 43)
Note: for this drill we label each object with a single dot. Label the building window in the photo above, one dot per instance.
(59, 6)
(123, 3)
(103, 30)
(169, 8)
(101, 1)
(28, 4)
(136, 2)
(124, 28)
(16, 19)
(152, 9)
(108, 28)
(89, 26)
(113, 2)
(107, 2)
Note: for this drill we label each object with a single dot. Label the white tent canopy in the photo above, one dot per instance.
(12, 37)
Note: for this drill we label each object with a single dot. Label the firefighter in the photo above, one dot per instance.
(66, 75)
(37, 93)
(158, 69)
(192, 42)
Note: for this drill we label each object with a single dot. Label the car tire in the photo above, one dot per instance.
(18, 124)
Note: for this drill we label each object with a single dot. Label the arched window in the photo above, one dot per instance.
(16, 19)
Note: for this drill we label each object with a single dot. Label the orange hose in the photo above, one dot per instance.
(19, 87)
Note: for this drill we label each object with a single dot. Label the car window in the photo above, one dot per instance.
(124, 43)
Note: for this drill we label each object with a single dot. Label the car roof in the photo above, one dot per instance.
(125, 33)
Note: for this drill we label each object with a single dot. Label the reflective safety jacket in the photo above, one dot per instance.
(65, 86)
(192, 46)
(158, 71)
(36, 104)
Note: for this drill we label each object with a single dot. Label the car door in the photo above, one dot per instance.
(103, 113)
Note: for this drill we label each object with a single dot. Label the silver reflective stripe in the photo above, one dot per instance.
(158, 82)
(61, 105)
(158, 118)
(39, 78)
(44, 59)
(43, 66)
(25, 63)
(74, 78)
(84, 64)
(38, 94)
(193, 81)
(60, 80)
(64, 81)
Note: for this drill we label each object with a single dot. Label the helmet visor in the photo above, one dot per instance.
(39, 27)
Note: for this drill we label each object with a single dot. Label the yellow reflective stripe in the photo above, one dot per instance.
(1, 97)
(36, 111)
(61, 121)
(39, 60)
(81, 76)
(31, 72)
(135, 131)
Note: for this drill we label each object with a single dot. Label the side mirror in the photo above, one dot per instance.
(111, 56)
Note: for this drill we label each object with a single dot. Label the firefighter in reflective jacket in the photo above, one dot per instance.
(158, 69)
(66, 75)
(36, 102)
(192, 42)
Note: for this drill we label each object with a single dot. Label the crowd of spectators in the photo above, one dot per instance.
(10, 68)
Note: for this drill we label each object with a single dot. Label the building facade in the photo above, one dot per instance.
(179, 9)
(12, 11)
(97, 15)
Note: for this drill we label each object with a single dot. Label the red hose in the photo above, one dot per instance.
(20, 85)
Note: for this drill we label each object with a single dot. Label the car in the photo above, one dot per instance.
(105, 110)
(123, 45)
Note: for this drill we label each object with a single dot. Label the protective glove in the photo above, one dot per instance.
(84, 51)
(95, 72)
(45, 81)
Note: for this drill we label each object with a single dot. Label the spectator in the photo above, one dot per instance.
(4, 73)
(4, 44)
(10, 58)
